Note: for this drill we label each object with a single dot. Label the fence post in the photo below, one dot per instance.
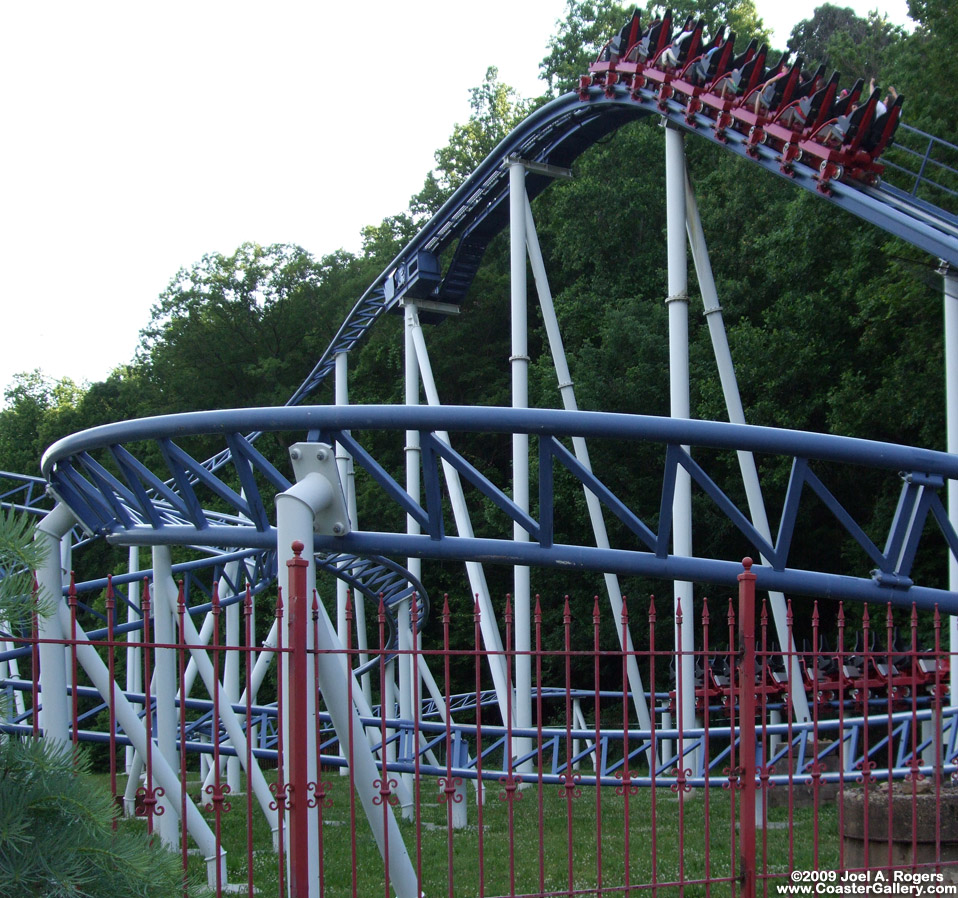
(298, 748)
(746, 704)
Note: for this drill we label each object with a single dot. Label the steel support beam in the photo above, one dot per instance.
(519, 363)
(678, 305)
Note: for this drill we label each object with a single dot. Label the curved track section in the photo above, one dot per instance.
(556, 135)
(124, 513)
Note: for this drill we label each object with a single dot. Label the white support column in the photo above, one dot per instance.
(128, 718)
(678, 302)
(567, 392)
(477, 579)
(736, 415)
(55, 709)
(342, 462)
(164, 678)
(951, 425)
(519, 360)
(228, 718)
(408, 676)
(11, 669)
(295, 510)
(230, 664)
(347, 476)
(134, 675)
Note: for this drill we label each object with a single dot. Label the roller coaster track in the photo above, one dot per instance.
(122, 511)
(102, 475)
(555, 136)
(551, 138)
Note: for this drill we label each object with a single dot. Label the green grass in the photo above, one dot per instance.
(783, 846)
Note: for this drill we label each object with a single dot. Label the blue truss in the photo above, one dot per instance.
(23, 493)
(801, 748)
(557, 134)
(108, 505)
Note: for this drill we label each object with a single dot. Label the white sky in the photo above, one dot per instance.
(139, 136)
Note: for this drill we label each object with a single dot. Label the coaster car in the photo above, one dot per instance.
(795, 113)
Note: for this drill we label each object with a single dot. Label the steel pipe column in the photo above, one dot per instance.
(295, 511)
(406, 626)
(951, 426)
(474, 571)
(581, 449)
(519, 361)
(163, 774)
(347, 476)
(54, 712)
(164, 677)
(680, 404)
(736, 415)
(134, 680)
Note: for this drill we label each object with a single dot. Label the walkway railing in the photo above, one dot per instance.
(925, 166)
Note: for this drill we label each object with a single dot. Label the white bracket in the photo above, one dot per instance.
(315, 468)
(539, 168)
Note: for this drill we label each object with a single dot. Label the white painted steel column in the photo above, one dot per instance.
(342, 462)
(347, 476)
(581, 449)
(951, 427)
(294, 521)
(256, 781)
(230, 663)
(477, 579)
(519, 361)
(406, 626)
(678, 302)
(55, 709)
(736, 415)
(134, 676)
(129, 719)
(164, 678)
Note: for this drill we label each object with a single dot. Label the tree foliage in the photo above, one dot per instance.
(56, 834)
(238, 330)
(838, 38)
(57, 838)
(584, 31)
(496, 109)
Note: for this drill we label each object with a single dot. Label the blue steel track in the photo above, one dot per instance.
(143, 507)
(123, 509)
(557, 134)
(98, 474)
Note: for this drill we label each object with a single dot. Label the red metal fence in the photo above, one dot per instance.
(747, 802)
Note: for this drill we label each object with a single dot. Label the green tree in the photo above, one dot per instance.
(588, 25)
(241, 330)
(739, 16)
(925, 70)
(38, 411)
(496, 110)
(839, 39)
(57, 838)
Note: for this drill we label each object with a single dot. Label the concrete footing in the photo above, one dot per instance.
(921, 828)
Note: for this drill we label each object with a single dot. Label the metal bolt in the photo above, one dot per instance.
(294, 454)
(322, 454)
(339, 528)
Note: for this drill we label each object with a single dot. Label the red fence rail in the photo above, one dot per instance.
(748, 802)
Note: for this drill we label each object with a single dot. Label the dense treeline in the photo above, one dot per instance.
(834, 325)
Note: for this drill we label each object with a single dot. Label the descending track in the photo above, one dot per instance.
(549, 140)
(556, 135)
